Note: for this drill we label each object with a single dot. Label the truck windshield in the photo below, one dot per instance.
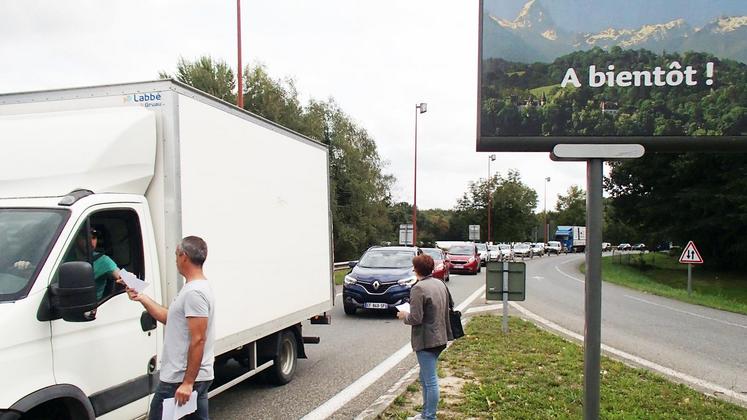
(26, 236)
(387, 259)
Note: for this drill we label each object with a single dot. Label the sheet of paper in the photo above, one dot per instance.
(132, 282)
(172, 411)
(405, 307)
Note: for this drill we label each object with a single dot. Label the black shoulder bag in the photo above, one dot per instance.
(455, 318)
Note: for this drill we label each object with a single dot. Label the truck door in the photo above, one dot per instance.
(111, 357)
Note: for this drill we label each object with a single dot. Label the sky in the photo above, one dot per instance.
(376, 58)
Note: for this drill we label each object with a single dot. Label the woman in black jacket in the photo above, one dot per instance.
(431, 330)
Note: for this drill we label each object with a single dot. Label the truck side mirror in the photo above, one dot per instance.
(75, 292)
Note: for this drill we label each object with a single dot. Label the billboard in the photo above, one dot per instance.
(670, 75)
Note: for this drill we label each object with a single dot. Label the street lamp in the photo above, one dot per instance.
(491, 158)
(547, 228)
(240, 78)
(420, 108)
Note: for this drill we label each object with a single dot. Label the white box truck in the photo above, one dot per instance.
(140, 166)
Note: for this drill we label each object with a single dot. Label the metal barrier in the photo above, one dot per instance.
(343, 265)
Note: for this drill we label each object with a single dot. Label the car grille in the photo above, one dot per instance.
(383, 287)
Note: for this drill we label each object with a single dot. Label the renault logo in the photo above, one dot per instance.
(376, 285)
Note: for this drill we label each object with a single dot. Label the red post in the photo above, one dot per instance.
(240, 74)
(415, 186)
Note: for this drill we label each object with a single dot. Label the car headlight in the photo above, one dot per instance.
(471, 259)
(350, 280)
(409, 281)
(439, 267)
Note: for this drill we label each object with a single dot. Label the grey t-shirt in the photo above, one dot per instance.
(194, 300)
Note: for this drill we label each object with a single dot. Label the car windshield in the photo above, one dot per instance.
(504, 246)
(26, 236)
(553, 243)
(521, 246)
(382, 258)
(481, 247)
(493, 247)
(462, 250)
(433, 253)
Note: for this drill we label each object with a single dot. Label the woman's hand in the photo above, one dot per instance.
(402, 315)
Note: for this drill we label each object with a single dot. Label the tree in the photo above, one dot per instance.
(214, 77)
(571, 208)
(513, 204)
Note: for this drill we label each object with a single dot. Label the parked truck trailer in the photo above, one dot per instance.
(143, 165)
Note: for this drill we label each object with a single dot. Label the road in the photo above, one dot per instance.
(349, 348)
(693, 340)
(704, 343)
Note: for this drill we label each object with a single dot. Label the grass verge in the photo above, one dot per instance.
(533, 374)
(663, 275)
(340, 275)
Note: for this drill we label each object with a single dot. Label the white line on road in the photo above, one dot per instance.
(637, 360)
(557, 267)
(356, 388)
(485, 308)
(686, 312)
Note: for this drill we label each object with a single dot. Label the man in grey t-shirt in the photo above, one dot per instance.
(188, 345)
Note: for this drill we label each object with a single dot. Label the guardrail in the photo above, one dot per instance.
(342, 265)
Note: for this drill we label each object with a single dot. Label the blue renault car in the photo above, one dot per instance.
(380, 280)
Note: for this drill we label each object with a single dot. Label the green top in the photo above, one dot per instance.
(102, 267)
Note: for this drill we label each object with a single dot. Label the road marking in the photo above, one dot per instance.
(485, 308)
(635, 359)
(356, 388)
(686, 312)
(538, 277)
(557, 268)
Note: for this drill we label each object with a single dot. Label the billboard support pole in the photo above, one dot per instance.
(593, 285)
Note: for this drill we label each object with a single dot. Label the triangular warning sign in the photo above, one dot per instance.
(690, 255)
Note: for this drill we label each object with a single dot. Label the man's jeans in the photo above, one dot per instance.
(167, 390)
(429, 381)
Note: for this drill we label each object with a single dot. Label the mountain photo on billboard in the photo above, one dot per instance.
(555, 68)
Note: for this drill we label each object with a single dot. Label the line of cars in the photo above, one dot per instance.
(383, 276)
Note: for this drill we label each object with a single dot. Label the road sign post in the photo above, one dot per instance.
(405, 234)
(505, 281)
(690, 256)
(474, 232)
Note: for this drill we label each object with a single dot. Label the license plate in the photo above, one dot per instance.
(457, 265)
(371, 305)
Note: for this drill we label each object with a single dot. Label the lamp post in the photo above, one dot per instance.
(491, 158)
(547, 228)
(419, 109)
(240, 75)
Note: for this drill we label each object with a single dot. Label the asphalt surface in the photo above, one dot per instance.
(704, 343)
(707, 344)
(349, 348)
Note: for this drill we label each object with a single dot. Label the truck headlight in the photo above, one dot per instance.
(409, 281)
(350, 280)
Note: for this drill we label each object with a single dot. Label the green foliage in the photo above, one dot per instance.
(682, 197)
(214, 77)
(571, 208)
(513, 204)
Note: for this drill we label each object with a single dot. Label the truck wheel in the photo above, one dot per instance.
(349, 309)
(285, 361)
